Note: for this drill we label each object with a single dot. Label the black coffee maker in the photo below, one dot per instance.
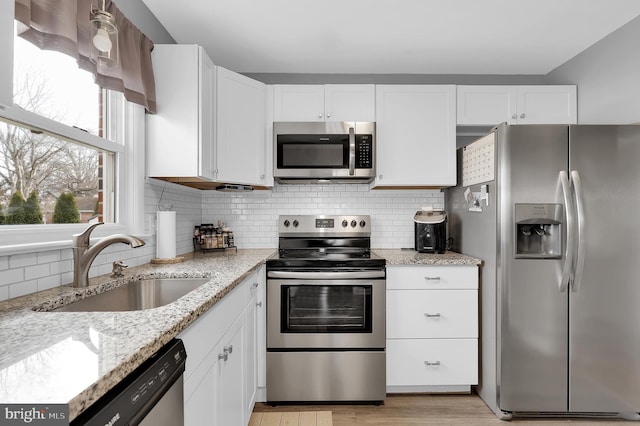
(430, 231)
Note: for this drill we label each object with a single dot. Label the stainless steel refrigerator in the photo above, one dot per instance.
(554, 212)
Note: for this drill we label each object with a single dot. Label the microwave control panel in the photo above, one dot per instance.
(364, 151)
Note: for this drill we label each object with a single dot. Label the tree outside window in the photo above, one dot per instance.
(36, 169)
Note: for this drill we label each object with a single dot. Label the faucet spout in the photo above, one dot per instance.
(83, 255)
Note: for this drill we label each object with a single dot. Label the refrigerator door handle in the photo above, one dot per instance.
(570, 242)
(579, 269)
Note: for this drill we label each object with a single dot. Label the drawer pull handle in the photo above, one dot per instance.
(223, 356)
(428, 315)
(259, 304)
(432, 364)
(228, 349)
(432, 278)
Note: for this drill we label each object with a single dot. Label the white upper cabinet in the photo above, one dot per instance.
(415, 135)
(547, 105)
(210, 124)
(180, 136)
(331, 102)
(240, 129)
(490, 105)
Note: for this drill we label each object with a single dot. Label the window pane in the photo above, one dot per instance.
(44, 179)
(50, 84)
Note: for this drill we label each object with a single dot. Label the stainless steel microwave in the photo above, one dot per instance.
(316, 151)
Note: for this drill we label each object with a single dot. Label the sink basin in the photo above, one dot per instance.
(137, 295)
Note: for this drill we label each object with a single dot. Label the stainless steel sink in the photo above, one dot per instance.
(137, 295)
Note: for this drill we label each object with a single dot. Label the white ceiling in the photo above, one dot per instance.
(393, 36)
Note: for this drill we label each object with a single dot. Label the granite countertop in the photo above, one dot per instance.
(412, 257)
(76, 357)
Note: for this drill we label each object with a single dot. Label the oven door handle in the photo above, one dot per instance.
(317, 275)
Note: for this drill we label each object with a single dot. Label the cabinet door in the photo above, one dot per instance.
(180, 134)
(250, 350)
(350, 102)
(176, 70)
(416, 135)
(240, 128)
(207, 95)
(230, 401)
(547, 105)
(201, 398)
(261, 321)
(298, 102)
(486, 105)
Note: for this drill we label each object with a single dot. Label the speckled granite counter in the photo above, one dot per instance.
(75, 358)
(412, 257)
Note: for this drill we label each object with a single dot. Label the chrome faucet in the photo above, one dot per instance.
(83, 256)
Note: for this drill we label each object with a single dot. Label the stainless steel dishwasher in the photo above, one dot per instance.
(151, 395)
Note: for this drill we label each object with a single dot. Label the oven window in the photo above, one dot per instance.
(326, 309)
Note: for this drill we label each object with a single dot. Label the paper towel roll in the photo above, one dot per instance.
(166, 235)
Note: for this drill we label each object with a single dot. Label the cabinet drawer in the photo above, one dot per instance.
(432, 313)
(432, 362)
(416, 277)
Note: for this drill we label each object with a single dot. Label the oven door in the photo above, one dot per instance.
(323, 310)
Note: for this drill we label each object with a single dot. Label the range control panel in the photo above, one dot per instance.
(323, 224)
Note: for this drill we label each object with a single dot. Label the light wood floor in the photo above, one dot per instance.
(442, 410)
(293, 418)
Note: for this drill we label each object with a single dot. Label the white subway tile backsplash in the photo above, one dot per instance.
(11, 276)
(49, 256)
(22, 288)
(49, 282)
(37, 271)
(4, 293)
(252, 216)
(20, 260)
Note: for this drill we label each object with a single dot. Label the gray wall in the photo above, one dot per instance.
(141, 16)
(608, 78)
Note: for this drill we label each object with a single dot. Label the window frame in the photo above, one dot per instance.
(125, 137)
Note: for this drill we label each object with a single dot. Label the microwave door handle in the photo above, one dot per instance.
(352, 151)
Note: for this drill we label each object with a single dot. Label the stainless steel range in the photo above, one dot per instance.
(325, 312)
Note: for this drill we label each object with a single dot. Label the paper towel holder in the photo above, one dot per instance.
(166, 238)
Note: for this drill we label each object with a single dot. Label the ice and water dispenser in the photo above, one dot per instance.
(538, 231)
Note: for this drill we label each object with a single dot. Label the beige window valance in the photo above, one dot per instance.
(63, 25)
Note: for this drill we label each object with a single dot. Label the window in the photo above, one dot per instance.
(64, 135)
(45, 179)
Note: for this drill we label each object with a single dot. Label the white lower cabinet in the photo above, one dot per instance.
(220, 380)
(432, 362)
(432, 328)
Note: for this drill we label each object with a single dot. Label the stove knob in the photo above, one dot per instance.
(345, 223)
(353, 223)
(286, 223)
(295, 223)
(362, 223)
